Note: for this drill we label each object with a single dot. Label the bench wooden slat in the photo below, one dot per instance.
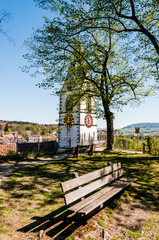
(90, 199)
(79, 193)
(76, 182)
(95, 204)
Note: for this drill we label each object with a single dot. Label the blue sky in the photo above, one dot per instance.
(20, 99)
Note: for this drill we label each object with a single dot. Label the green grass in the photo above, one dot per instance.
(134, 234)
(71, 238)
(110, 218)
(90, 238)
(102, 217)
(109, 210)
(102, 224)
(35, 191)
(3, 230)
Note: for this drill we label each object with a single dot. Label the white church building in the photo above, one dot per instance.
(77, 124)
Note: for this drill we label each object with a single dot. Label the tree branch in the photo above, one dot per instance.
(84, 59)
(120, 84)
(132, 8)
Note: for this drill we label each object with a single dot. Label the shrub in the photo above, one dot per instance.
(11, 153)
(150, 143)
(125, 143)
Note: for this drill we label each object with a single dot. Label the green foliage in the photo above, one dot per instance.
(130, 143)
(28, 127)
(70, 237)
(102, 217)
(150, 142)
(135, 22)
(6, 128)
(102, 223)
(102, 43)
(126, 143)
(134, 234)
(43, 132)
(23, 127)
(153, 145)
(3, 230)
(147, 125)
(144, 127)
(11, 154)
(109, 210)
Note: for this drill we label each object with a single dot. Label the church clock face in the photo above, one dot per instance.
(68, 120)
(88, 120)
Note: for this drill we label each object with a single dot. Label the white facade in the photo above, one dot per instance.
(83, 129)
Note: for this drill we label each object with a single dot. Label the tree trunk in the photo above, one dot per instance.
(110, 131)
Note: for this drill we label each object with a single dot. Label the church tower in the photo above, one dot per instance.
(77, 124)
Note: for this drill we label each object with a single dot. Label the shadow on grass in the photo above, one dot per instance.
(61, 223)
(145, 168)
(58, 224)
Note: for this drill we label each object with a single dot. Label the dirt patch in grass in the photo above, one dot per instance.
(32, 205)
(126, 218)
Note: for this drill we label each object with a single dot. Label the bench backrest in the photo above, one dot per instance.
(91, 181)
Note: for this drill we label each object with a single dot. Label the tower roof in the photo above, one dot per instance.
(69, 81)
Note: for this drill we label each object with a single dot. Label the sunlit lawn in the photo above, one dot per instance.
(34, 192)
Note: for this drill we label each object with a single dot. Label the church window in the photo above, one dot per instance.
(88, 104)
(69, 105)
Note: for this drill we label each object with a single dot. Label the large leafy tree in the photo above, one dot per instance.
(134, 20)
(96, 58)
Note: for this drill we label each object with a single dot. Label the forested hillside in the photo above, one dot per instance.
(144, 127)
(23, 127)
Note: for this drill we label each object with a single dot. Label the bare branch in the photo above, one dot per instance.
(4, 18)
(132, 8)
(107, 28)
(80, 54)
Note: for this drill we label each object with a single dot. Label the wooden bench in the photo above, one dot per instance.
(81, 149)
(85, 199)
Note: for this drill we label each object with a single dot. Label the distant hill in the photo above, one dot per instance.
(23, 127)
(144, 127)
(148, 127)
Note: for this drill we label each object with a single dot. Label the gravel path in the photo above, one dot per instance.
(127, 151)
(7, 168)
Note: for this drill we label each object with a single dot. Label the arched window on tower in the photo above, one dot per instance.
(88, 104)
(69, 104)
(69, 85)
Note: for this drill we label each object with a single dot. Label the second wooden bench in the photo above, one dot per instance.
(82, 149)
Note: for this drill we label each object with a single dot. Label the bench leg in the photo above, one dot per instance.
(77, 151)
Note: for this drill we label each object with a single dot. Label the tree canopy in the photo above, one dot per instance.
(85, 42)
(135, 21)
